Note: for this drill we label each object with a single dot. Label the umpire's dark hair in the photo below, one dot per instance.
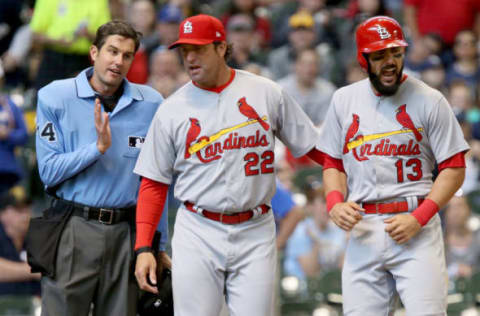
(116, 27)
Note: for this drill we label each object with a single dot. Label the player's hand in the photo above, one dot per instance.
(146, 267)
(402, 227)
(164, 261)
(102, 125)
(346, 215)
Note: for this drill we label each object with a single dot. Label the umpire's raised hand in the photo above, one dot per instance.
(102, 125)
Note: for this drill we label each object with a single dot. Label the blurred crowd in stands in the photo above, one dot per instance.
(307, 46)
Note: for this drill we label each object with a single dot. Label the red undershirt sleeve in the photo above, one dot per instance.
(325, 160)
(331, 162)
(456, 161)
(316, 155)
(151, 200)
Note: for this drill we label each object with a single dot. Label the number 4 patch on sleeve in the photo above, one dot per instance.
(48, 132)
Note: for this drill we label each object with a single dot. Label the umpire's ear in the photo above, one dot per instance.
(93, 52)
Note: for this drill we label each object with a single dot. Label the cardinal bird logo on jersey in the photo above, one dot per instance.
(192, 134)
(250, 112)
(404, 119)
(352, 130)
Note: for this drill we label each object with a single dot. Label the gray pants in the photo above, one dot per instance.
(376, 268)
(94, 265)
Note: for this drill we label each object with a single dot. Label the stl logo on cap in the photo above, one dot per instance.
(208, 29)
(383, 32)
(187, 27)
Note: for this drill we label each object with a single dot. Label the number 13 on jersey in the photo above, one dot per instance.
(412, 168)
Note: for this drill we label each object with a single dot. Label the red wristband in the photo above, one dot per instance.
(334, 197)
(425, 211)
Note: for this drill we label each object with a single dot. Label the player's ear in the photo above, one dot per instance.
(221, 48)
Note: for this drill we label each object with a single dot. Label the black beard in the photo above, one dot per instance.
(380, 87)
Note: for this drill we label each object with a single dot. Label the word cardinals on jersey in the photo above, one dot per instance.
(233, 141)
(214, 150)
(386, 147)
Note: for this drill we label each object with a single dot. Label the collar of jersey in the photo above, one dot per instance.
(85, 90)
(219, 88)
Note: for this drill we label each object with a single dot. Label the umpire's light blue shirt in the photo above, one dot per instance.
(66, 142)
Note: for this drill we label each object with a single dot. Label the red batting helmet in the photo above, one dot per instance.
(378, 33)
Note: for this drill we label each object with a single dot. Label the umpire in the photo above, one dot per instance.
(89, 132)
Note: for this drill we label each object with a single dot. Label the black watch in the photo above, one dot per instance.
(143, 249)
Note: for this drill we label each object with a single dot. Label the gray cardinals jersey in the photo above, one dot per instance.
(221, 145)
(389, 145)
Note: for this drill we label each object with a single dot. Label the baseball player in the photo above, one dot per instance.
(382, 138)
(217, 135)
(88, 149)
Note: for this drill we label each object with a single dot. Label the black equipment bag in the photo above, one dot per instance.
(43, 237)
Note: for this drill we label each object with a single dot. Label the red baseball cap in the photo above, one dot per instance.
(200, 29)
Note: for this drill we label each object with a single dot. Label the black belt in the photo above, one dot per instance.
(107, 216)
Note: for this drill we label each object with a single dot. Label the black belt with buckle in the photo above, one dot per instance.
(107, 216)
